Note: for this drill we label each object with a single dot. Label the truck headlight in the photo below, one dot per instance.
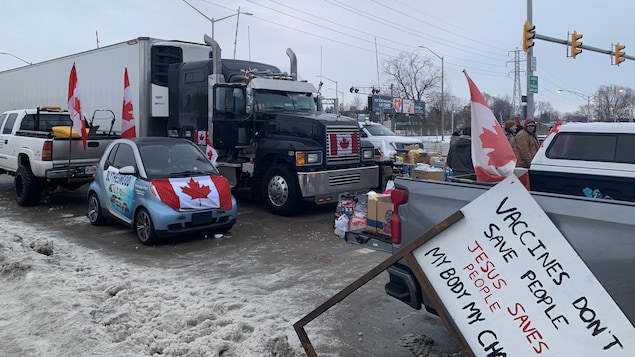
(308, 158)
(367, 154)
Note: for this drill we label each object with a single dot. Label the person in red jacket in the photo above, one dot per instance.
(527, 144)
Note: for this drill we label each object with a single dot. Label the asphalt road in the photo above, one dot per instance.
(367, 323)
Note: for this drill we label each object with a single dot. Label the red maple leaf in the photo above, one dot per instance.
(195, 190)
(502, 153)
(127, 111)
(344, 143)
(201, 137)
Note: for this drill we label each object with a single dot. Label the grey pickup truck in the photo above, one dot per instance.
(583, 177)
(38, 148)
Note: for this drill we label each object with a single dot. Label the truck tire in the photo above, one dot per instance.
(95, 215)
(280, 190)
(28, 188)
(145, 228)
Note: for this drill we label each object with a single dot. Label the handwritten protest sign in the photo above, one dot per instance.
(513, 285)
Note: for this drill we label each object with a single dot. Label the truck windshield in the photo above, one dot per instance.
(271, 101)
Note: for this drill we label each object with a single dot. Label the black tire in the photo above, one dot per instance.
(28, 188)
(145, 228)
(95, 215)
(280, 191)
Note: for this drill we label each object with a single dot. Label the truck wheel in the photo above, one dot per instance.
(145, 228)
(28, 188)
(280, 190)
(95, 215)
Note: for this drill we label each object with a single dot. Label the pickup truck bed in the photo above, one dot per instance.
(601, 231)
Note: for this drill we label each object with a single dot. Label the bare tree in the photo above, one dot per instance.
(412, 74)
(613, 103)
(357, 104)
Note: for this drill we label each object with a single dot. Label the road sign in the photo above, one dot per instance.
(533, 84)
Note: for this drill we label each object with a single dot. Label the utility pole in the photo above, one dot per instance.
(517, 94)
(530, 72)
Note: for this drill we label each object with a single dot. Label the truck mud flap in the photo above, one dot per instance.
(404, 287)
(373, 241)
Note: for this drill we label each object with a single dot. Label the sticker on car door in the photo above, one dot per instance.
(119, 191)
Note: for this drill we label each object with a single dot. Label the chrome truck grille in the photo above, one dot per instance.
(342, 145)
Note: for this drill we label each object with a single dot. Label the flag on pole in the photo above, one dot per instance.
(74, 106)
(492, 155)
(212, 154)
(127, 118)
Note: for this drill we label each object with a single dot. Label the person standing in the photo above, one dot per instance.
(460, 156)
(510, 132)
(527, 144)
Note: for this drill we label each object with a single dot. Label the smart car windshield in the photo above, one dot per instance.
(174, 160)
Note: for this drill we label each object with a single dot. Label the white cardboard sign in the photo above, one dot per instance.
(514, 286)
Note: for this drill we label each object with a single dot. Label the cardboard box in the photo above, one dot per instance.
(429, 175)
(379, 212)
(422, 158)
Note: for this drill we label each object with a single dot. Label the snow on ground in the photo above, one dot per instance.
(60, 299)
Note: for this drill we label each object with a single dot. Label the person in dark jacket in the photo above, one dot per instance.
(510, 132)
(460, 156)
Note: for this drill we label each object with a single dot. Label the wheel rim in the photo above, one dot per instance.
(93, 208)
(143, 226)
(278, 190)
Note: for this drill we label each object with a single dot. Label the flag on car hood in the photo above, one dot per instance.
(492, 154)
(194, 192)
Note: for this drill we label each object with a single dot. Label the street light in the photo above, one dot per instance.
(16, 57)
(337, 107)
(213, 20)
(442, 97)
(588, 101)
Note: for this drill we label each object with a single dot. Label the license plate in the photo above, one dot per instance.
(89, 169)
(202, 218)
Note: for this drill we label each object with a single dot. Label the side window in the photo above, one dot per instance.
(8, 126)
(2, 119)
(124, 157)
(28, 122)
(111, 157)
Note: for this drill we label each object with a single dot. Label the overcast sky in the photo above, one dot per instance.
(345, 41)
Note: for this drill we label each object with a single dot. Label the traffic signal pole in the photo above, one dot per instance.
(530, 66)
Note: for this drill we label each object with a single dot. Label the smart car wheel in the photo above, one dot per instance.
(95, 215)
(145, 228)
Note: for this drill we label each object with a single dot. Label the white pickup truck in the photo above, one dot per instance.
(38, 149)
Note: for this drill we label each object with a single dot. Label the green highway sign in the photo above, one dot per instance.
(533, 84)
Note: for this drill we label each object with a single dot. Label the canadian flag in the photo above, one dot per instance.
(344, 144)
(74, 106)
(212, 154)
(194, 192)
(127, 118)
(200, 137)
(492, 155)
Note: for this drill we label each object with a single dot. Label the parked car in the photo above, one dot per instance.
(160, 187)
(383, 139)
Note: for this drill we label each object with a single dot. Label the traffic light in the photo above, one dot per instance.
(529, 33)
(619, 54)
(575, 44)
